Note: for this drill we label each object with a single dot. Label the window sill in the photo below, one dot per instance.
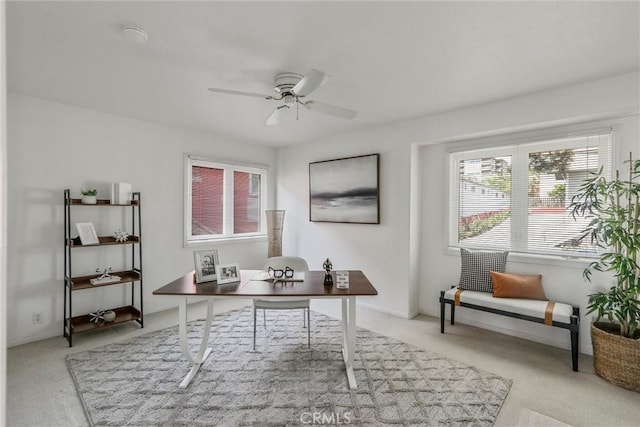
(555, 260)
(225, 241)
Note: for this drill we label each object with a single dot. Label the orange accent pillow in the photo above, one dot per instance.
(508, 285)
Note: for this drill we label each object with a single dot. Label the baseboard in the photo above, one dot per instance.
(391, 312)
(45, 335)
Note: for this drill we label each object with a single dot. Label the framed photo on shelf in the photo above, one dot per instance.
(345, 190)
(228, 273)
(87, 233)
(205, 264)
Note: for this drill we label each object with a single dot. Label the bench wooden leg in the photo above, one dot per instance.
(442, 312)
(575, 348)
(453, 312)
(443, 302)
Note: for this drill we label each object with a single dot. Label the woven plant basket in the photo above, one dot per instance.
(616, 358)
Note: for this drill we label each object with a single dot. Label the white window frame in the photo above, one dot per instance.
(519, 153)
(227, 199)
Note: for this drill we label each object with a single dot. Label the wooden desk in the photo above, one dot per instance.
(311, 287)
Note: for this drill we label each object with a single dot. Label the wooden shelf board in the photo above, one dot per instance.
(123, 314)
(102, 202)
(106, 241)
(84, 282)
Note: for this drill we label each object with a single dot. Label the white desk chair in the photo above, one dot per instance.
(279, 263)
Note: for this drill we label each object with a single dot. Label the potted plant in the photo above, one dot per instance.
(614, 209)
(89, 196)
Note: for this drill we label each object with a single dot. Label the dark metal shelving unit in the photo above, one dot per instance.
(131, 275)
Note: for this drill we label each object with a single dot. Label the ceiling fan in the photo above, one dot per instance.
(290, 89)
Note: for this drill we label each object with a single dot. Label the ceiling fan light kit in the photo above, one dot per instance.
(285, 82)
(291, 87)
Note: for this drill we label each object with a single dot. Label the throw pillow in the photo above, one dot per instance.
(476, 266)
(507, 285)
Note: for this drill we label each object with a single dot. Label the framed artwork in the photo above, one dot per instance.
(345, 190)
(205, 263)
(87, 233)
(228, 273)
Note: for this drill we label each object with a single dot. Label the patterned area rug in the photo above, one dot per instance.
(283, 382)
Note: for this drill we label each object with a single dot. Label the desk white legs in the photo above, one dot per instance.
(203, 352)
(349, 337)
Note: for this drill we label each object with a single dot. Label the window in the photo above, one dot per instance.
(224, 200)
(517, 197)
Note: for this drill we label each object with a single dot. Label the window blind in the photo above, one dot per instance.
(223, 200)
(516, 197)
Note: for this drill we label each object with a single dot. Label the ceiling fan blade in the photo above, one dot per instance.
(333, 110)
(236, 92)
(310, 82)
(276, 116)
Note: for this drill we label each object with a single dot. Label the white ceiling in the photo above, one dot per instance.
(390, 61)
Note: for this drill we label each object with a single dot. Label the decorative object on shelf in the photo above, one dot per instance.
(275, 224)
(228, 273)
(205, 264)
(342, 279)
(106, 277)
(97, 316)
(614, 209)
(120, 193)
(121, 236)
(328, 280)
(109, 316)
(345, 190)
(89, 196)
(87, 233)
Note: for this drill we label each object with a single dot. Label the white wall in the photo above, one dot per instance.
(405, 255)
(378, 250)
(3, 216)
(52, 147)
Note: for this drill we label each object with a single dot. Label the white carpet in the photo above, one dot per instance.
(135, 382)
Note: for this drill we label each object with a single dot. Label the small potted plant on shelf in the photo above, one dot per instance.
(614, 209)
(89, 196)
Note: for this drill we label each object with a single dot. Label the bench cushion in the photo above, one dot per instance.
(535, 308)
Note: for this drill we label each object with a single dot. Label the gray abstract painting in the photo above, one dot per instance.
(345, 190)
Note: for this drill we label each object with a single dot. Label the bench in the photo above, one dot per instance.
(548, 313)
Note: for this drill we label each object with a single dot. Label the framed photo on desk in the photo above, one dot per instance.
(228, 273)
(205, 264)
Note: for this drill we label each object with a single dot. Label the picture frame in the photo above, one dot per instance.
(228, 273)
(205, 263)
(87, 233)
(345, 190)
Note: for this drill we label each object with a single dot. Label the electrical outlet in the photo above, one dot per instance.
(37, 318)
